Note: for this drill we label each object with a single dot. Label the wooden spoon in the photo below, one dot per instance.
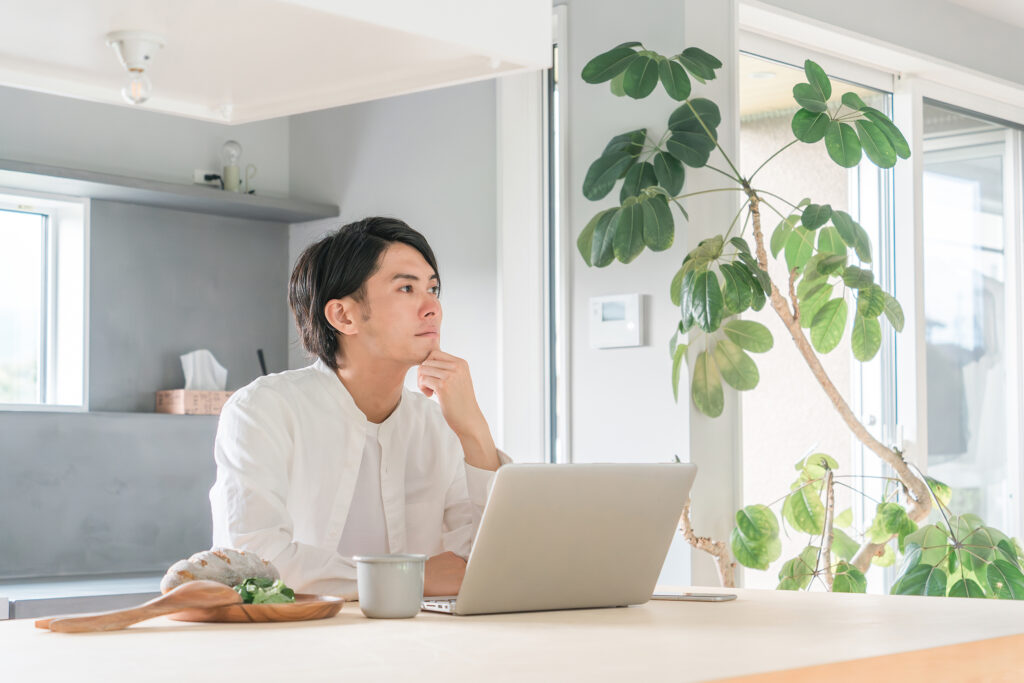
(186, 596)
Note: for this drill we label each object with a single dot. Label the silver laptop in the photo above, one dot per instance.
(571, 536)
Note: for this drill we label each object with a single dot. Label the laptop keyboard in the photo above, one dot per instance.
(439, 604)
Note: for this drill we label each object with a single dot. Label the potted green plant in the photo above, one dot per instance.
(830, 292)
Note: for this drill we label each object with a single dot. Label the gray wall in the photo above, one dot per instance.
(102, 492)
(163, 283)
(429, 159)
(132, 141)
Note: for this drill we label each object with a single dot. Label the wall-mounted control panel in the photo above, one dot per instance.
(616, 321)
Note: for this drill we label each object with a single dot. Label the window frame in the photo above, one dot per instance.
(55, 207)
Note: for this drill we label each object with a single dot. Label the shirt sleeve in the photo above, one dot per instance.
(253, 451)
(464, 503)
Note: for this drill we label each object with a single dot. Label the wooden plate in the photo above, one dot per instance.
(304, 608)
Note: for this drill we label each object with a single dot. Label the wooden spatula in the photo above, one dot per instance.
(186, 596)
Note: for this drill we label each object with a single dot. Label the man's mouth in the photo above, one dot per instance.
(428, 333)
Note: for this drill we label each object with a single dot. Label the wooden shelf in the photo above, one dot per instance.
(196, 198)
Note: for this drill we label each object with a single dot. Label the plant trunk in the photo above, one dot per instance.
(717, 549)
(917, 489)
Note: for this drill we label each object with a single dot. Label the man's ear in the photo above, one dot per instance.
(343, 315)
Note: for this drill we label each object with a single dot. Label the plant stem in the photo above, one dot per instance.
(717, 189)
(919, 493)
(751, 178)
(717, 549)
(872, 499)
(772, 194)
(735, 218)
(827, 533)
(727, 175)
(736, 173)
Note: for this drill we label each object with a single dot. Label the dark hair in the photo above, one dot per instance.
(338, 266)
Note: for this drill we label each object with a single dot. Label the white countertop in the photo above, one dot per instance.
(762, 631)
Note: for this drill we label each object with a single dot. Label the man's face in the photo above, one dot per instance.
(404, 313)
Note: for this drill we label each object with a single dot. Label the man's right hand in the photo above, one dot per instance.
(443, 574)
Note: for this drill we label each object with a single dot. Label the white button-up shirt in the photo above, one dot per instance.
(288, 452)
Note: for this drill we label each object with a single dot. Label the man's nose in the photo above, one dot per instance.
(432, 307)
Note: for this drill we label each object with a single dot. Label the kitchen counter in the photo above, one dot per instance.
(886, 637)
(31, 598)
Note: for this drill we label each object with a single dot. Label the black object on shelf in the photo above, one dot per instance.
(263, 363)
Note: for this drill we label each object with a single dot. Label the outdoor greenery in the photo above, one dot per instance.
(830, 292)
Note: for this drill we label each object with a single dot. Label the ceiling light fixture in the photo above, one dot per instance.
(135, 49)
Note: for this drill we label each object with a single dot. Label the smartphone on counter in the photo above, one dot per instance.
(698, 597)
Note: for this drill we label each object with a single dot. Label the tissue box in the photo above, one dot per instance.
(188, 402)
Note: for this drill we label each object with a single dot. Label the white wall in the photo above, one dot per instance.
(428, 159)
(62, 131)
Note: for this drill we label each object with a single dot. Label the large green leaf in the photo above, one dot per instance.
(871, 301)
(965, 588)
(706, 386)
(617, 85)
(690, 116)
(818, 80)
(853, 101)
(658, 228)
(866, 338)
(602, 252)
(829, 242)
(890, 519)
(749, 335)
(932, 542)
(799, 247)
(853, 234)
(630, 142)
(809, 98)
(844, 519)
(812, 301)
(842, 545)
(707, 301)
(781, 234)
(804, 511)
(828, 325)
(638, 177)
(673, 77)
(603, 173)
(738, 369)
(922, 579)
(674, 288)
(1006, 580)
(848, 579)
(942, 492)
(815, 216)
(796, 574)
(858, 278)
(670, 172)
(809, 126)
(842, 144)
(893, 312)
(641, 77)
(628, 241)
(755, 270)
(585, 241)
(608, 65)
(876, 145)
(699, 63)
(896, 139)
(691, 148)
(686, 299)
(754, 554)
(678, 356)
(735, 290)
(757, 522)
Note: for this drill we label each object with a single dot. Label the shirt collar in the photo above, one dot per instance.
(348, 404)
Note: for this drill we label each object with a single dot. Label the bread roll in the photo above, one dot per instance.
(223, 565)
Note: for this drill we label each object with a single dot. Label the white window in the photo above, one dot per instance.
(43, 302)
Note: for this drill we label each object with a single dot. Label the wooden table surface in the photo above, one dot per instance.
(759, 633)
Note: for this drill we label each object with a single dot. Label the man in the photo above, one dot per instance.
(338, 459)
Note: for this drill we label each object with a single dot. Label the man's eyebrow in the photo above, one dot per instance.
(406, 276)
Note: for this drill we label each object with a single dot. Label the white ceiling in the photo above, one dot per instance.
(236, 61)
(1009, 11)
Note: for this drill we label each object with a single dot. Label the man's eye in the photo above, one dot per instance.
(405, 288)
(435, 290)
